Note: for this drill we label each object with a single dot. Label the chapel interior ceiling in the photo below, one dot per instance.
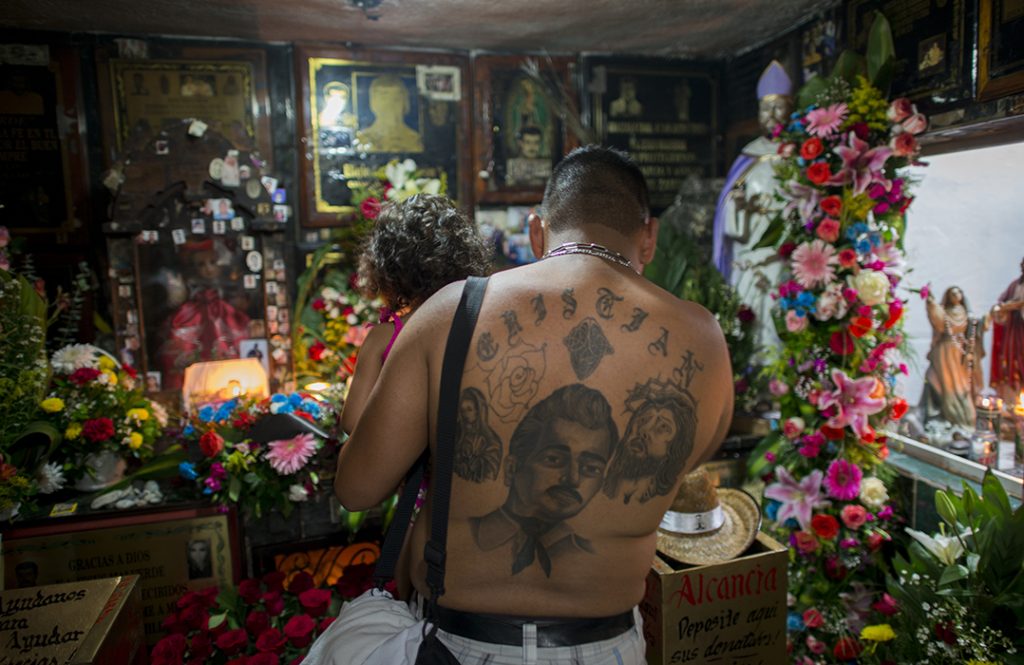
(685, 28)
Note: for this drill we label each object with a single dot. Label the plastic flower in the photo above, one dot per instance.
(289, 455)
(852, 401)
(796, 499)
(50, 477)
(813, 264)
(52, 404)
(825, 121)
(880, 633)
(843, 480)
(861, 165)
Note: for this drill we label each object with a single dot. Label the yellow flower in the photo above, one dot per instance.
(52, 404)
(878, 633)
(106, 362)
(73, 431)
(138, 414)
(134, 440)
(110, 378)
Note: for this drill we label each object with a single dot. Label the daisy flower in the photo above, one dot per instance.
(74, 356)
(813, 264)
(824, 122)
(50, 477)
(289, 455)
(842, 480)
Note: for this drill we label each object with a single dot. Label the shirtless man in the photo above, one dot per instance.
(602, 389)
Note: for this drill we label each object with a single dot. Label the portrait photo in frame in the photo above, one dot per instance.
(519, 135)
(362, 109)
(1001, 50)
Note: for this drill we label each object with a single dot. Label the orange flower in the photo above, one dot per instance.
(878, 392)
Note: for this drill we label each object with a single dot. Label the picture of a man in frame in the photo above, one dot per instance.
(390, 104)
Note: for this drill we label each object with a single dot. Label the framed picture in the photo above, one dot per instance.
(360, 109)
(1001, 46)
(172, 552)
(663, 116)
(519, 136)
(43, 181)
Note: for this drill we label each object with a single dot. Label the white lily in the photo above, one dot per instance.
(946, 549)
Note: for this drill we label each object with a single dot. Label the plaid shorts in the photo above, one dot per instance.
(626, 649)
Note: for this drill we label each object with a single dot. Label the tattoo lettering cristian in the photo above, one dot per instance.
(587, 346)
(659, 345)
(658, 439)
(638, 317)
(539, 309)
(512, 326)
(568, 304)
(513, 380)
(555, 465)
(486, 348)
(477, 446)
(606, 300)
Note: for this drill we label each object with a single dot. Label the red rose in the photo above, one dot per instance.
(860, 326)
(805, 542)
(944, 631)
(841, 343)
(828, 230)
(232, 641)
(195, 616)
(83, 375)
(257, 622)
(899, 408)
(170, 648)
(315, 601)
(274, 603)
(301, 581)
(903, 144)
(826, 526)
(316, 352)
(355, 580)
(899, 109)
(786, 248)
(130, 371)
(241, 660)
(834, 570)
(831, 205)
(243, 421)
(745, 314)
(833, 433)
(819, 173)
(886, 605)
(319, 305)
(299, 630)
(98, 429)
(325, 623)
(861, 130)
(854, 516)
(875, 541)
(201, 646)
(811, 148)
(263, 659)
(271, 641)
(847, 258)
(813, 618)
(274, 580)
(172, 624)
(250, 591)
(370, 208)
(211, 443)
(847, 648)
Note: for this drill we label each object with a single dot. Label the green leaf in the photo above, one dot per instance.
(234, 488)
(849, 65)
(758, 463)
(945, 508)
(809, 91)
(217, 619)
(883, 80)
(995, 495)
(881, 49)
(952, 574)
(772, 234)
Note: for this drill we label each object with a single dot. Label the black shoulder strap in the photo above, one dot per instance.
(447, 411)
(454, 359)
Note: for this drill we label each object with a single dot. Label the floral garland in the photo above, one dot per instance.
(839, 317)
(259, 476)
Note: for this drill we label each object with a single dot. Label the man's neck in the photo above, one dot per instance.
(607, 238)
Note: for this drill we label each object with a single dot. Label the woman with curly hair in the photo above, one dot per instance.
(416, 247)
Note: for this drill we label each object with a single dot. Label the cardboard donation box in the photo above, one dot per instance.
(93, 622)
(732, 613)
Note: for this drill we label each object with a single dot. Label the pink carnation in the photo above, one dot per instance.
(289, 455)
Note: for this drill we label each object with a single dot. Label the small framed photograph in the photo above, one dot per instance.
(178, 236)
(254, 261)
(271, 288)
(279, 195)
(162, 147)
(154, 382)
(256, 348)
(282, 213)
(220, 227)
(247, 243)
(249, 281)
(237, 224)
(198, 225)
(439, 82)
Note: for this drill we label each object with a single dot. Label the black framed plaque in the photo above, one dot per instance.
(665, 118)
(1001, 47)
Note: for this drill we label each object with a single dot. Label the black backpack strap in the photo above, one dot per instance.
(447, 412)
(391, 548)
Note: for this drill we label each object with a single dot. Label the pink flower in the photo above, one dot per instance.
(356, 335)
(289, 455)
(828, 230)
(861, 165)
(815, 645)
(925, 290)
(795, 322)
(903, 144)
(777, 388)
(802, 198)
(915, 124)
(793, 428)
(798, 499)
(843, 480)
(853, 516)
(852, 401)
(899, 109)
(825, 121)
(813, 264)
(886, 605)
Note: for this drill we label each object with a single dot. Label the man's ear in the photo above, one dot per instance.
(537, 241)
(649, 240)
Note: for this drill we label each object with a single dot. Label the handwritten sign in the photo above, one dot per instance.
(733, 612)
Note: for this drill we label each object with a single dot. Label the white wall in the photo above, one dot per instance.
(965, 228)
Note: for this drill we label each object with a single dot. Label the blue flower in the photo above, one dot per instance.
(786, 303)
(224, 411)
(312, 408)
(295, 399)
(189, 430)
(206, 413)
(806, 298)
(801, 161)
(771, 509)
(207, 490)
(863, 246)
(277, 398)
(187, 470)
(794, 622)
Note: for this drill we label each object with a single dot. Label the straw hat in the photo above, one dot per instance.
(708, 525)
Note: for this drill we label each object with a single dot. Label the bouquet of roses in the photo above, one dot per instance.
(845, 191)
(257, 475)
(267, 621)
(97, 405)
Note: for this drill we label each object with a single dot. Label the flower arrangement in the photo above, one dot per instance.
(257, 475)
(960, 593)
(333, 317)
(267, 621)
(841, 170)
(97, 405)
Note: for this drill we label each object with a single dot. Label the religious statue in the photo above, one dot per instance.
(953, 379)
(390, 103)
(1008, 341)
(742, 214)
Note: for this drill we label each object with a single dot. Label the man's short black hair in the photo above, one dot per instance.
(530, 129)
(596, 185)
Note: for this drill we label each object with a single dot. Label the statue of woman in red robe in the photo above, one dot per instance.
(1008, 340)
(205, 327)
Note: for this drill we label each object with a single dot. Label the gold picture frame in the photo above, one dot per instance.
(992, 82)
